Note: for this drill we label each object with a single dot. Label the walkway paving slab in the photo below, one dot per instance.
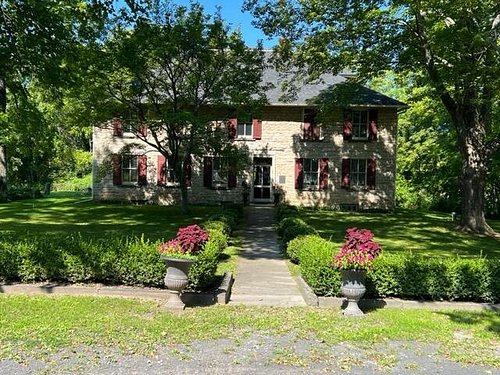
(262, 277)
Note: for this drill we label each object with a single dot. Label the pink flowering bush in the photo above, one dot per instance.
(358, 251)
(189, 241)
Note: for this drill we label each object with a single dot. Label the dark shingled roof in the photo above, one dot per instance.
(328, 88)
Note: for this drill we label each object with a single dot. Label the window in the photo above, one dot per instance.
(219, 172)
(359, 124)
(311, 173)
(358, 172)
(311, 130)
(129, 169)
(244, 127)
(165, 173)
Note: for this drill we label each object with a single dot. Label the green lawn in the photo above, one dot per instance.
(63, 213)
(28, 327)
(427, 233)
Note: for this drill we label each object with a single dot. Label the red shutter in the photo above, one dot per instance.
(372, 124)
(143, 130)
(117, 169)
(371, 171)
(161, 171)
(143, 170)
(316, 132)
(207, 171)
(257, 128)
(308, 131)
(187, 170)
(323, 174)
(347, 128)
(233, 123)
(231, 175)
(117, 127)
(346, 171)
(299, 173)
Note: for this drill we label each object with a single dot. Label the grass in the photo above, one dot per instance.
(426, 233)
(27, 327)
(63, 213)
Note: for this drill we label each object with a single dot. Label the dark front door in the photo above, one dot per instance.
(262, 182)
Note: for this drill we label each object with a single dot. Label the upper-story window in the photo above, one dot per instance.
(360, 124)
(311, 131)
(244, 128)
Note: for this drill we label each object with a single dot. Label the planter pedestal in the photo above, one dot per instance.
(353, 288)
(176, 280)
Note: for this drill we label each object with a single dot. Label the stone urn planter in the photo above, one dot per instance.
(176, 279)
(353, 288)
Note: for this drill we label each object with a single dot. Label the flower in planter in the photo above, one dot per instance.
(358, 252)
(187, 243)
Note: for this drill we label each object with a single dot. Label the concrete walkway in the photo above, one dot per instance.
(262, 277)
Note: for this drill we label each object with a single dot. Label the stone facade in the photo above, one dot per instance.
(280, 146)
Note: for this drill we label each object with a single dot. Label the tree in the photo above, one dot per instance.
(171, 73)
(39, 40)
(455, 43)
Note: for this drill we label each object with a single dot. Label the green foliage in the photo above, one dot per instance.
(413, 276)
(308, 243)
(81, 184)
(315, 257)
(406, 276)
(218, 226)
(284, 210)
(228, 218)
(202, 274)
(287, 222)
(295, 230)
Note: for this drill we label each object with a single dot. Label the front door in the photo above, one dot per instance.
(262, 184)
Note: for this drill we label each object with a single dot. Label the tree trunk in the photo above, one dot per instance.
(471, 133)
(3, 156)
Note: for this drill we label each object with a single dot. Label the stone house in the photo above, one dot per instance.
(346, 160)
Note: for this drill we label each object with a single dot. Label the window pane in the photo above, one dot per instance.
(314, 165)
(241, 129)
(249, 129)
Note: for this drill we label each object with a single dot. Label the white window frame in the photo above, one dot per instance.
(218, 165)
(358, 124)
(358, 174)
(130, 172)
(246, 124)
(169, 172)
(306, 184)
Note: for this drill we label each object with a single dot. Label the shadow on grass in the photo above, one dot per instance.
(489, 318)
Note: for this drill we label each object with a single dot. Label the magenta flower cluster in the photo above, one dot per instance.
(358, 251)
(189, 240)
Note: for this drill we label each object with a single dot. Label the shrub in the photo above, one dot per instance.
(296, 230)
(302, 243)
(217, 225)
(202, 272)
(234, 208)
(315, 257)
(411, 276)
(228, 218)
(188, 242)
(284, 210)
(287, 222)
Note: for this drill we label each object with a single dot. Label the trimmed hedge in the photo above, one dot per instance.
(315, 257)
(288, 222)
(75, 258)
(284, 210)
(406, 275)
(295, 230)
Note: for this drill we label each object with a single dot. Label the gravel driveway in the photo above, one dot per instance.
(257, 354)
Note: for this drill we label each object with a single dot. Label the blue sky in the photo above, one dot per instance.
(235, 18)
